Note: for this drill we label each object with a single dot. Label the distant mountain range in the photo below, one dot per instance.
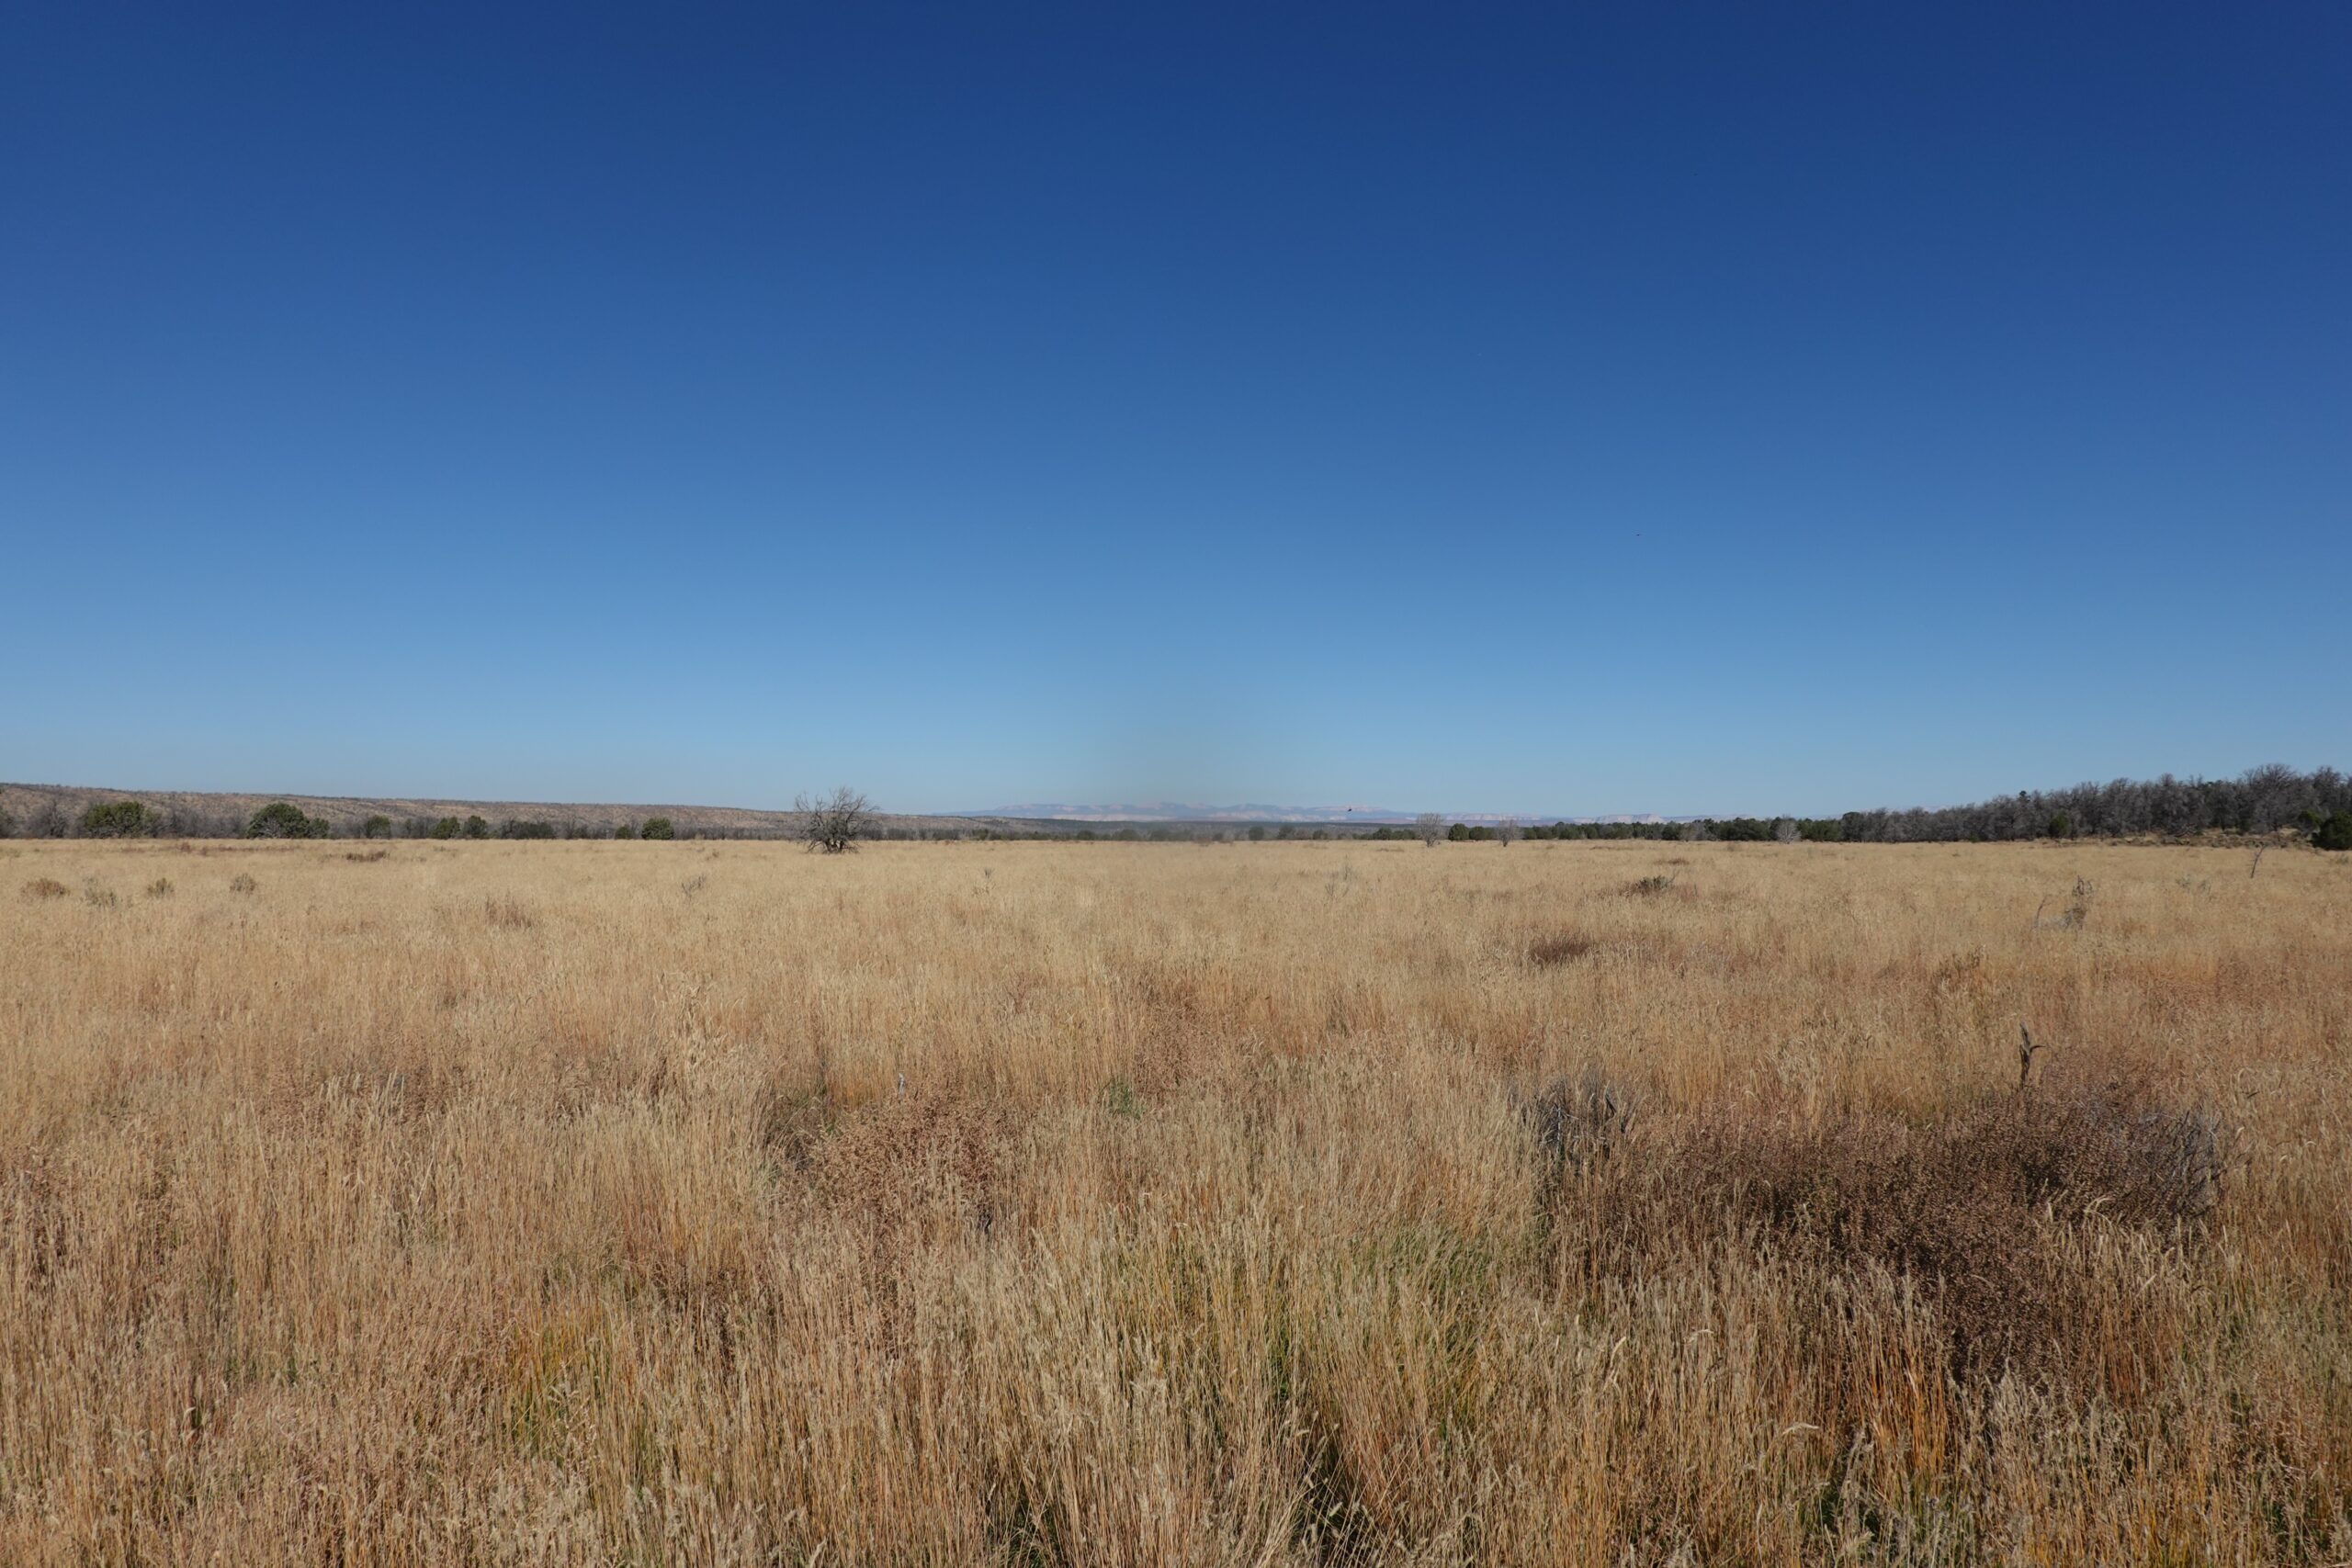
(1191, 811)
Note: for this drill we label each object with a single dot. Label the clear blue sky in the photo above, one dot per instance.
(1772, 408)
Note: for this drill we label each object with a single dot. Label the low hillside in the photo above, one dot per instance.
(205, 814)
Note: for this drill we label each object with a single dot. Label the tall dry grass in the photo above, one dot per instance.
(1270, 1204)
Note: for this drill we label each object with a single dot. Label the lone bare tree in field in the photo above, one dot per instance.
(833, 823)
(1507, 832)
(1428, 827)
(1784, 831)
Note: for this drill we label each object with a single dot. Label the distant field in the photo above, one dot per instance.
(1284, 1203)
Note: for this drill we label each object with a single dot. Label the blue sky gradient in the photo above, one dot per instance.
(1678, 410)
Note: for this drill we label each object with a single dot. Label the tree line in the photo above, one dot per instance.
(2270, 799)
(284, 819)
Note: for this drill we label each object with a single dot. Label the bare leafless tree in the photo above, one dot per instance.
(1428, 827)
(833, 823)
(1507, 830)
(1784, 831)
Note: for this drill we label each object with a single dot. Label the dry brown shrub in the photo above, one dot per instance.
(1561, 947)
(365, 857)
(45, 888)
(2075, 915)
(242, 883)
(1654, 886)
(508, 914)
(1979, 1207)
(791, 1112)
(924, 1163)
(1575, 1121)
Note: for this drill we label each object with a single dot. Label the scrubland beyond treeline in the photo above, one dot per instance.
(1037, 1204)
(2270, 799)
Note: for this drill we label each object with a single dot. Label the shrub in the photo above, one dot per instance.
(7, 826)
(626, 830)
(917, 1164)
(528, 830)
(833, 823)
(2336, 833)
(476, 827)
(446, 828)
(1574, 1123)
(1561, 947)
(366, 857)
(658, 827)
(1976, 1206)
(283, 819)
(241, 883)
(1649, 886)
(508, 914)
(45, 888)
(377, 827)
(2078, 913)
(160, 888)
(120, 819)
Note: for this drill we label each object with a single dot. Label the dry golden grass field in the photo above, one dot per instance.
(1034, 1203)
